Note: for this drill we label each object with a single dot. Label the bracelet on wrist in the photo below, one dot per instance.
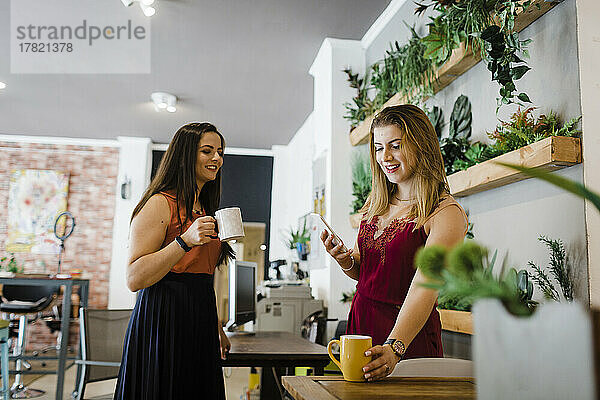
(351, 265)
(182, 244)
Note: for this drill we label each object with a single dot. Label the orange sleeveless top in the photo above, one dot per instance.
(200, 259)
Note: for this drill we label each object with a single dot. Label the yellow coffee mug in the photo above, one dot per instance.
(352, 356)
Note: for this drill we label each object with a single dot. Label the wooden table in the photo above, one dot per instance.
(336, 388)
(68, 285)
(278, 353)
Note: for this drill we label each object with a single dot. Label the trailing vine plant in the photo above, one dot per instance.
(455, 22)
(493, 38)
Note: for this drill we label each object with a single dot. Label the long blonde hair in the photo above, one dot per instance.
(422, 151)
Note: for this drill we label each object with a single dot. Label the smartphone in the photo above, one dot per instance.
(336, 238)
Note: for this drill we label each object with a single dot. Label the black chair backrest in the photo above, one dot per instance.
(340, 329)
(31, 293)
(103, 334)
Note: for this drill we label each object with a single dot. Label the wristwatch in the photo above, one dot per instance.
(397, 346)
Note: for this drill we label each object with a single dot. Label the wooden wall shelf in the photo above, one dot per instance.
(355, 220)
(550, 154)
(461, 60)
(456, 321)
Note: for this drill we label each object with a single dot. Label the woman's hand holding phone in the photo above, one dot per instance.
(334, 245)
(336, 248)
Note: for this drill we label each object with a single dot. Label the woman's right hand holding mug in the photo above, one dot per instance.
(201, 231)
(337, 250)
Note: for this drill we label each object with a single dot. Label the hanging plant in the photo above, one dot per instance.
(493, 38)
(504, 63)
(455, 22)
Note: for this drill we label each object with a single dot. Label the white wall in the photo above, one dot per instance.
(135, 163)
(292, 186)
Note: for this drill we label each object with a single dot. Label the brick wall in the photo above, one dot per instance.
(92, 183)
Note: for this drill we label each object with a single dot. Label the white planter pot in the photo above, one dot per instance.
(546, 356)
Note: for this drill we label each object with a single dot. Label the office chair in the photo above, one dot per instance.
(23, 300)
(102, 333)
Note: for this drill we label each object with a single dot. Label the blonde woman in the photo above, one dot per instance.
(409, 207)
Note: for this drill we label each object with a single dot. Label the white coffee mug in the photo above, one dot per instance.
(229, 223)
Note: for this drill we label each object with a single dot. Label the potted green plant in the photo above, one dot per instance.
(298, 240)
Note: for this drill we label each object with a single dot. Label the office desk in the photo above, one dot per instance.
(64, 325)
(278, 353)
(336, 388)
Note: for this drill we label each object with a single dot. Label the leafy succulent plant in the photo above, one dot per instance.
(457, 143)
(436, 116)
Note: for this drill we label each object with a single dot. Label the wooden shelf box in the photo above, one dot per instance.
(550, 154)
(456, 321)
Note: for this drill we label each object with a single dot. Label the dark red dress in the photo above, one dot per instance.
(386, 272)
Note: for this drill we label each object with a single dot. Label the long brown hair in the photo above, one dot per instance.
(422, 151)
(177, 173)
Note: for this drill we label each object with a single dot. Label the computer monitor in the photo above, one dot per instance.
(242, 293)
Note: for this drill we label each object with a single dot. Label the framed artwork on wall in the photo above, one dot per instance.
(35, 199)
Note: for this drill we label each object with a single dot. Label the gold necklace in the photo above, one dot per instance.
(396, 197)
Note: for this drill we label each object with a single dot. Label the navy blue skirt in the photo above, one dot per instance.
(171, 348)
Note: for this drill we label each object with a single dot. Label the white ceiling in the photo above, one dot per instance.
(242, 65)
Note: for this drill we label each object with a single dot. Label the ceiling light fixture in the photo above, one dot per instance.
(2, 85)
(164, 101)
(148, 11)
(144, 5)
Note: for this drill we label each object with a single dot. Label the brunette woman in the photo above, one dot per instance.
(174, 340)
(409, 207)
